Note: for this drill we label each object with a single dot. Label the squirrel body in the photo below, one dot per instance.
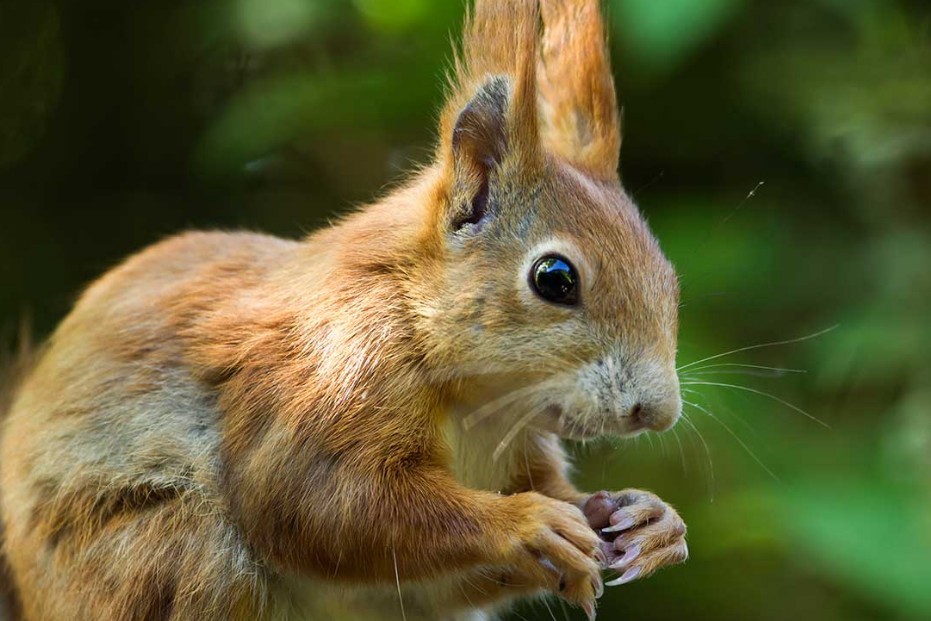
(365, 423)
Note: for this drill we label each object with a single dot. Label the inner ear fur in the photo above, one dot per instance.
(480, 143)
(480, 137)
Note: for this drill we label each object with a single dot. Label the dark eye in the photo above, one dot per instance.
(555, 280)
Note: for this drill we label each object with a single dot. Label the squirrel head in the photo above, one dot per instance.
(547, 280)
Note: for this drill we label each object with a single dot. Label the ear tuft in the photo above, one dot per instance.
(496, 69)
(491, 112)
(576, 86)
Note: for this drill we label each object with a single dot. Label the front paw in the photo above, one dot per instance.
(640, 533)
(556, 550)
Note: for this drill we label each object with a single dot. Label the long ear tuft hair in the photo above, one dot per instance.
(581, 118)
(501, 39)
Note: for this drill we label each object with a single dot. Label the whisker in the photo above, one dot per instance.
(700, 372)
(548, 609)
(565, 612)
(527, 466)
(747, 366)
(486, 410)
(675, 434)
(735, 436)
(516, 429)
(704, 444)
(762, 394)
(723, 409)
(761, 346)
(397, 578)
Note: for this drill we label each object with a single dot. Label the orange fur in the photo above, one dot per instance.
(579, 100)
(234, 426)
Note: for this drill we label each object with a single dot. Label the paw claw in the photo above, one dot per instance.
(629, 555)
(601, 557)
(624, 521)
(628, 576)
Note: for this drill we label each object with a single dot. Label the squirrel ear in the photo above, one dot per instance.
(490, 120)
(479, 144)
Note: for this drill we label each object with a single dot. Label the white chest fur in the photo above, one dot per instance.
(481, 457)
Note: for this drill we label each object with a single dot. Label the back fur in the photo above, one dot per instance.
(15, 361)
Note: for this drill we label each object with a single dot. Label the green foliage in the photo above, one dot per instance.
(660, 35)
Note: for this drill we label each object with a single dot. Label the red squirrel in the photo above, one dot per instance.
(367, 423)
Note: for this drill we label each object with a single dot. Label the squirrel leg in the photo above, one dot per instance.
(418, 523)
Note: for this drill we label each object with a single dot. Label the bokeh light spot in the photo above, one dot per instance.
(267, 23)
(393, 15)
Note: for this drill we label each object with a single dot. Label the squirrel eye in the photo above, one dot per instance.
(555, 280)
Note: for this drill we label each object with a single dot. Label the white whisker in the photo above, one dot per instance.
(548, 609)
(704, 444)
(747, 366)
(516, 429)
(735, 436)
(397, 578)
(486, 410)
(752, 347)
(675, 434)
(700, 372)
(762, 394)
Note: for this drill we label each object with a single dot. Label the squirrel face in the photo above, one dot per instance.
(558, 286)
(547, 280)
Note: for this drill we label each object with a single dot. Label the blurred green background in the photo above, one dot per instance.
(781, 150)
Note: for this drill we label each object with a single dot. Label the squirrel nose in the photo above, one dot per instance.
(659, 416)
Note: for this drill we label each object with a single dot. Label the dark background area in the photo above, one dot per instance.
(781, 151)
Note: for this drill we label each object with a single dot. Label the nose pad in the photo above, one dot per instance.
(636, 412)
(658, 417)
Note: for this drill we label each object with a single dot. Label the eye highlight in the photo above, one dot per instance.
(555, 280)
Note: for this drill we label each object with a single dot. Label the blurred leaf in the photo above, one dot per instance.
(394, 15)
(870, 534)
(661, 33)
(907, 446)
(266, 23)
(280, 110)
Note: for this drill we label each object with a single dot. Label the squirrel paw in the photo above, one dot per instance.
(559, 552)
(640, 533)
